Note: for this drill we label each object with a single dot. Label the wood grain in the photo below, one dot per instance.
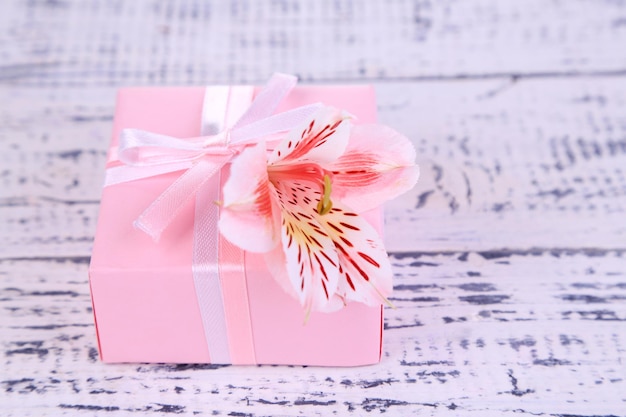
(512, 164)
(95, 42)
(509, 255)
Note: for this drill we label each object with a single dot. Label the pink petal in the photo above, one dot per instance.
(310, 257)
(323, 138)
(378, 165)
(365, 271)
(250, 216)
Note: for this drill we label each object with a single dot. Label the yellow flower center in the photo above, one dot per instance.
(306, 171)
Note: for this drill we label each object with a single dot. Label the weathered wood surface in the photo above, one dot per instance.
(98, 42)
(509, 255)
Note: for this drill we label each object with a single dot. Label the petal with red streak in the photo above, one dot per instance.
(310, 257)
(321, 139)
(365, 271)
(277, 265)
(378, 165)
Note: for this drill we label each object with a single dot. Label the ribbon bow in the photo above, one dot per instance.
(146, 154)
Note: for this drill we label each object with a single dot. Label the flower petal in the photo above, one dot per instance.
(250, 216)
(378, 165)
(310, 256)
(277, 265)
(365, 271)
(323, 138)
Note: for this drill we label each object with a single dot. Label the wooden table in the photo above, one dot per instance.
(509, 255)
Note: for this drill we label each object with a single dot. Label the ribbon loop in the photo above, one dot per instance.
(141, 148)
(282, 122)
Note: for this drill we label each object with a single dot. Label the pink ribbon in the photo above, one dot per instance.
(218, 266)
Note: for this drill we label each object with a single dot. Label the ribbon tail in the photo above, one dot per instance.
(206, 271)
(277, 123)
(155, 219)
(142, 148)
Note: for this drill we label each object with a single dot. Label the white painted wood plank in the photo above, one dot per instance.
(512, 164)
(95, 42)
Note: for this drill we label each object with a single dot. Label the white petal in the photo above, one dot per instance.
(250, 216)
(365, 271)
(310, 257)
(322, 139)
(277, 265)
(378, 165)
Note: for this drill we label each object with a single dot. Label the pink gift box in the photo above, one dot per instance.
(143, 292)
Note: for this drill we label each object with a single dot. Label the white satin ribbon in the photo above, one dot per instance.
(213, 262)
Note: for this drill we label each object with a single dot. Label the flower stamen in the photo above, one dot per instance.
(325, 203)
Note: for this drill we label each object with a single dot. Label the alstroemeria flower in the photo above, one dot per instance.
(299, 205)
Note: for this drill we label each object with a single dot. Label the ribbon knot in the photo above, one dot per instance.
(147, 154)
(220, 139)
